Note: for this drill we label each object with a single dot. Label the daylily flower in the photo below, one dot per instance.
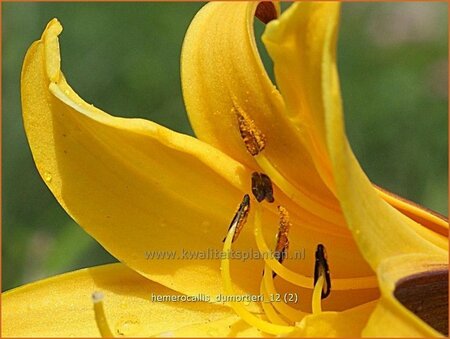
(136, 187)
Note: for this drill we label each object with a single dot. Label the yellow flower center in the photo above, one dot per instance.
(255, 142)
(281, 317)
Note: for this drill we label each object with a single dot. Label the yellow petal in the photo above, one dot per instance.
(414, 300)
(232, 326)
(133, 185)
(430, 219)
(380, 230)
(61, 306)
(295, 44)
(221, 70)
(303, 45)
(349, 323)
(139, 188)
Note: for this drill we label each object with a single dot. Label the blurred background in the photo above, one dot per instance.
(124, 58)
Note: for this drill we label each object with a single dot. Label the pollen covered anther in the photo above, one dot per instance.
(321, 269)
(254, 139)
(282, 235)
(262, 187)
(240, 218)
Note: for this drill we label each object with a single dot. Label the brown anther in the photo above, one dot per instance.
(266, 12)
(254, 139)
(282, 235)
(321, 268)
(262, 187)
(240, 218)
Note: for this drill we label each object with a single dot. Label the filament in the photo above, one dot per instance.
(248, 317)
(100, 318)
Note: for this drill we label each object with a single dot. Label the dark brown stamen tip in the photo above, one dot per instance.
(262, 187)
(266, 12)
(254, 139)
(321, 268)
(240, 218)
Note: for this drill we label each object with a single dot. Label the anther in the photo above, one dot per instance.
(321, 268)
(262, 187)
(240, 218)
(254, 139)
(282, 235)
(100, 318)
(282, 246)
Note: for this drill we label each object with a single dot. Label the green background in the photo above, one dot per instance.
(124, 58)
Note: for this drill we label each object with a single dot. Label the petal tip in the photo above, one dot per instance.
(51, 47)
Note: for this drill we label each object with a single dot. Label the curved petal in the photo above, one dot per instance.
(298, 43)
(221, 71)
(312, 82)
(348, 323)
(414, 300)
(136, 187)
(62, 307)
(430, 219)
(153, 198)
(381, 231)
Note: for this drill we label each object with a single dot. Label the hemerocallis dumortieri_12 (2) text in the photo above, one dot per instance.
(375, 264)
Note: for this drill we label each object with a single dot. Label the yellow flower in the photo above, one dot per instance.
(139, 188)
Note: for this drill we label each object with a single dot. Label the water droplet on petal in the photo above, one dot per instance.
(212, 332)
(205, 226)
(163, 223)
(47, 176)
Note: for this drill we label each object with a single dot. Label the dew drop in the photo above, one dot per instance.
(357, 232)
(47, 177)
(205, 226)
(212, 332)
(128, 327)
(163, 223)
(168, 334)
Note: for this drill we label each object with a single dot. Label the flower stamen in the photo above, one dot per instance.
(297, 278)
(321, 269)
(268, 308)
(254, 139)
(294, 315)
(247, 316)
(240, 218)
(100, 318)
(255, 142)
(322, 281)
(282, 235)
